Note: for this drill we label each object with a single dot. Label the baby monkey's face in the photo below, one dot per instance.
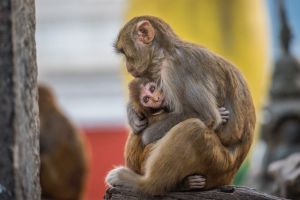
(151, 96)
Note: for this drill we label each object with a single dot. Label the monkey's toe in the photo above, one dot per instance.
(197, 185)
(196, 182)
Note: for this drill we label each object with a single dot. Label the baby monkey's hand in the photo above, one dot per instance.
(137, 121)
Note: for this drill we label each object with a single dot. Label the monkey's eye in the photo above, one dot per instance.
(152, 88)
(146, 99)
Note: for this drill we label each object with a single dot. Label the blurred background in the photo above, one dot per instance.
(76, 58)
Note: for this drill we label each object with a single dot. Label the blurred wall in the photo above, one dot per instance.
(75, 56)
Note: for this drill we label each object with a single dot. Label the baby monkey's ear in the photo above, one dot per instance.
(145, 31)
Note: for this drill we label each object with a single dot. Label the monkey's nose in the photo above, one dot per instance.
(156, 99)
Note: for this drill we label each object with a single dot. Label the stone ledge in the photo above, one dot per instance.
(223, 193)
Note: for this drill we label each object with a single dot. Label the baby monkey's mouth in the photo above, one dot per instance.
(158, 112)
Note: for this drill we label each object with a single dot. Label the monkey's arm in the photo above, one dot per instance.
(204, 102)
(133, 152)
(160, 128)
(195, 92)
(136, 121)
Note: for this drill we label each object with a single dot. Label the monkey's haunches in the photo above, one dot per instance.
(63, 157)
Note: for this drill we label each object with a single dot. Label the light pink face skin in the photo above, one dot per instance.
(151, 96)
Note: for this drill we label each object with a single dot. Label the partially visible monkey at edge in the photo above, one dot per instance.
(194, 81)
(63, 157)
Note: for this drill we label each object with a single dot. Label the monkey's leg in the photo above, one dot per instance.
(133, 152)
(173, 158)
(188, 148)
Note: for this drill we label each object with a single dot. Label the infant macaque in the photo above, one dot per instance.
(146, 107)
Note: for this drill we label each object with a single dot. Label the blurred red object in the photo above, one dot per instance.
(105, 146)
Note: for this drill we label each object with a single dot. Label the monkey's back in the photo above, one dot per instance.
(237, 134)
(63, 159)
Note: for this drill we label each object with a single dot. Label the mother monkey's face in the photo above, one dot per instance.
(143, 41)
(135, 43)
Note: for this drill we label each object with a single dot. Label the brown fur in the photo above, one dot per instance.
(63, 159)
(194, 80)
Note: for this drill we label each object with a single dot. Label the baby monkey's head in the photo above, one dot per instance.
(151, 96)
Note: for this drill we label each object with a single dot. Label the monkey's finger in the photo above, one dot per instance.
(225, 112)
(140, 116)
(224, 121)
(141, 123)
(222, 109)
(225, 116)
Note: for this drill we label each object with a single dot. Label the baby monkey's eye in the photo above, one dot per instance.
(146, 99)
(152, 88)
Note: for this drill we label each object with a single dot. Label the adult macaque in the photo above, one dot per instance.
(63, 159)
(193, 80)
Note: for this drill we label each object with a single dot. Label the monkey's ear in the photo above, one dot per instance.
(145, 31)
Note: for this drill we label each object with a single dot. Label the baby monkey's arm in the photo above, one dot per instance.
(157, 130)
(136, 121)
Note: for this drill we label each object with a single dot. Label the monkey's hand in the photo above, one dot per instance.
(136, 121)
(224, 114)
(192, 182)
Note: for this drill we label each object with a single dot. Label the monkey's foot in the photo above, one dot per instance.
(113, 176)
(121, 176)
(195, 182)
(224, 114)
